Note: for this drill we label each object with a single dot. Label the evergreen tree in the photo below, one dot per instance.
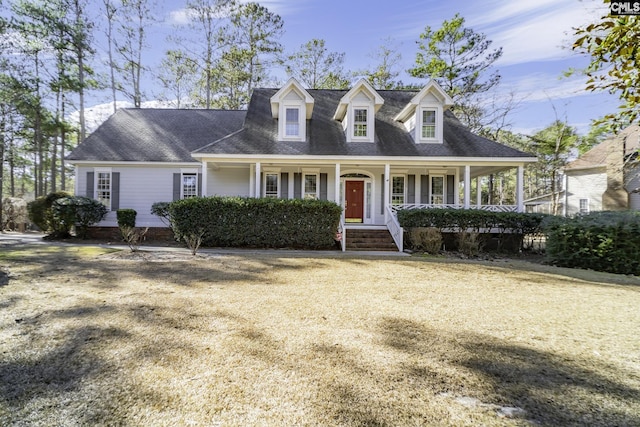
(317, 68)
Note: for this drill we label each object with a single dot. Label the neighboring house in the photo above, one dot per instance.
(370, 151)
(545, 203)
(607, 177)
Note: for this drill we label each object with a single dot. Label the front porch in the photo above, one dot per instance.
(370, 192)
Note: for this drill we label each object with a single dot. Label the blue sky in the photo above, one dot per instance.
(535, 36)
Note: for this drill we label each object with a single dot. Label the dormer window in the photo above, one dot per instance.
(356, 111)
(423, 116)
(292, 106)
(360, 122)
(428, 125)
(292, 125)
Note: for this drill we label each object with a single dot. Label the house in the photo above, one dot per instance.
(607, 177)
(546, 203)
(371, 151)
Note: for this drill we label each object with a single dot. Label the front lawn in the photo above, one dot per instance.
(96, 337)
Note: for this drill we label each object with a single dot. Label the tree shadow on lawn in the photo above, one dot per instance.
(76, 374)
(552, 389)
(40, 378)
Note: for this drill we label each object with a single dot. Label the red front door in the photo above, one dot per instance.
(354, 201)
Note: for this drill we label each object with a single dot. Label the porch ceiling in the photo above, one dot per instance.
(476, 170)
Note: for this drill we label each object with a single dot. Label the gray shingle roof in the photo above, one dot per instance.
(325, 136)
(165, 135)
(156, 135)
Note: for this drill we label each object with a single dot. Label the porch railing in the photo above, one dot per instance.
(491, 208)
(394, 228)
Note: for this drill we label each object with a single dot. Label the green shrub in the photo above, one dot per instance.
(126, 217)
(161, 209)
(601, 241)
(472, 220)
(41, 214)
(251, 222)
(80, 211)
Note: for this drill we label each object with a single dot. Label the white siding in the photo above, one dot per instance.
(632, 186)
(585, 185)
(140, 187)
(228, 182)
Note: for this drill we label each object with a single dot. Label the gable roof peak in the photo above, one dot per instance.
(361, 85)
(291, 85)
(432, 87)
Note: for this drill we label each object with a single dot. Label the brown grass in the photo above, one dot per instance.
(278, 338)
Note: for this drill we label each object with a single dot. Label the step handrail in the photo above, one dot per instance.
(394, 228)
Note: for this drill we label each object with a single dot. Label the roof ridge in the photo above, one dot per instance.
(220, 139)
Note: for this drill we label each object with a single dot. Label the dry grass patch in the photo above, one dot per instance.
(95, 338)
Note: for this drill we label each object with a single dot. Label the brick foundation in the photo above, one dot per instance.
(113, 233)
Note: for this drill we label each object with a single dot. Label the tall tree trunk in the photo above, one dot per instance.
(12, 162)
(3, 126)
(63, 142)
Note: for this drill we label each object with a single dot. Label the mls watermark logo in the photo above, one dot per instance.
(625, 7)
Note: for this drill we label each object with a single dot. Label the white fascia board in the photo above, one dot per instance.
(583, 168)
(292, 84)
(433, 87)
(362, 85)
(474, 161)
(119, 163)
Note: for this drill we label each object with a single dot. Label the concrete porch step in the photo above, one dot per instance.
(370, 240)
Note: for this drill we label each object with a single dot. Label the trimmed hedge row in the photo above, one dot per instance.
(473, 219)
(259, 223)
(601, 241)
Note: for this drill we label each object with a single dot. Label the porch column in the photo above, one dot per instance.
(257, 181)
(204, 179)
(520, 189)
(467, 186)
(478, 192)
(337, 186)
(386, 189)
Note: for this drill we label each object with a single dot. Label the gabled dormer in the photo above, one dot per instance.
(423, 116)
(357, 112)
(292, 106)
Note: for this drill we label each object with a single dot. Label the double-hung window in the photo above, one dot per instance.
(397, 190)
(584, 206)
(103, 188)
(311, 186)
(360, 122)
(292, 122)
(428, 124)
(189, 185)
(271, 181)
(437, 190)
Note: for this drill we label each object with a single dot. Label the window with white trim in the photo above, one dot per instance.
(360, 122)
(584, 206)
(271, 185)
(103, 188)
(428, 124)
(310, 186)
(437, 189)
(397, 190)
(292, 122)
(189, 185)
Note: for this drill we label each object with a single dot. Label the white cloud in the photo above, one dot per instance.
(179, 17)
(281, 7)
(544, 87)
(540, 31)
